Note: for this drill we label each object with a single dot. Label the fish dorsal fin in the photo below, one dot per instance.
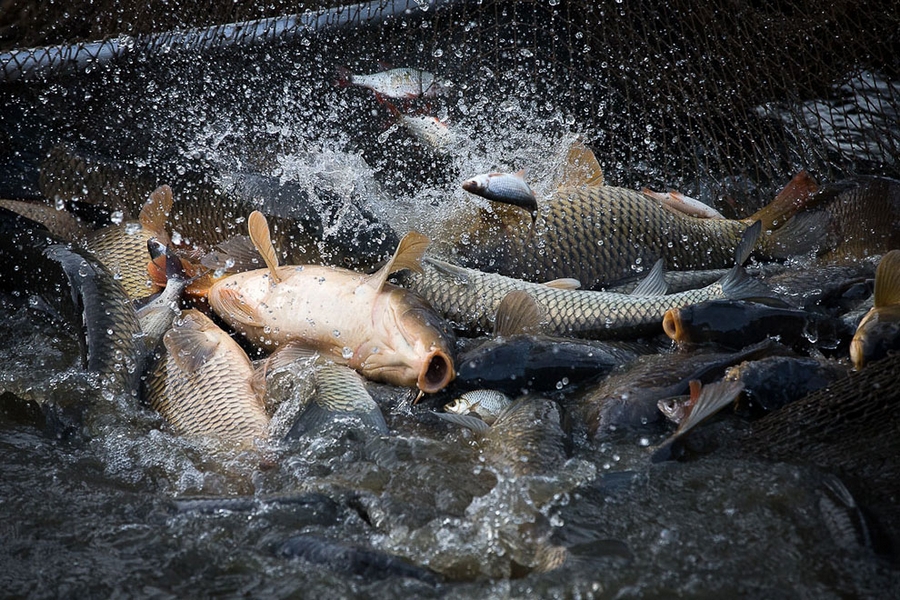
(258, 227)
(564, 283)
(709, 400)
(518, 312)
(156, 211)
(233, 305)
(581, 167)
(409, 252)
(887, 280)
(519, 174)
(796, 195)
(654, 284)
(748, 243)
(188, 342)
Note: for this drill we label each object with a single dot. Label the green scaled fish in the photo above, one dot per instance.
(470, 298)
(601, 235)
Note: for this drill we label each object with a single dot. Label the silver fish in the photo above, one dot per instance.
(509, 188)
(401, 83)
(487, 404)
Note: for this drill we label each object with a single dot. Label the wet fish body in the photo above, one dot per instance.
(487, 404)
(156, 316)
(775, 381)
(736, 324)
(470, 298)
(600, 235)
(381, 330)
(204, 383)
(401, 83)
(508, 188)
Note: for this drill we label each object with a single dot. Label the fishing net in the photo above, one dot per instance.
(723, 100)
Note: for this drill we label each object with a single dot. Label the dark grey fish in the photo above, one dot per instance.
(629, 398)
(774, 381)
(354, 560)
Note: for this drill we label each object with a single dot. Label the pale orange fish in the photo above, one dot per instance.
(383, 331)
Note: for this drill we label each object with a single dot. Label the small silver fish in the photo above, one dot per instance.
(679, 203)
(509, 188)
(487, 404)
(399, 84)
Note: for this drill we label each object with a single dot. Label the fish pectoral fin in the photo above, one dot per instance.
(581, 167)
(474, 423)
(887, 280)
(258, 228)
(233, 304)
(155, 212)
(409, 252)
(189, 344)
(517, 313)
(564, 283)
(748, 243)
(654, 284)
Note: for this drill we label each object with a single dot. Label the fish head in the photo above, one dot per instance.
(459, 406)
(476, 185)
(411, 346)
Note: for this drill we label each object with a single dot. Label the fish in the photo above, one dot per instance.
(350, 559)
(879, 331)
(385, 332)
(600, 235)
(122, 248)
(518, 360)
(429, 131)
(863, 216)
(629, 397)
(204, 384)
(156, 316)
(736, 323)
(680, 203)
(705, 401)
(525, 439)
(487, 404)
(469, 298)
(400, 84)
(509, 188)
(339, 392)
(57, 220)
(774, 381)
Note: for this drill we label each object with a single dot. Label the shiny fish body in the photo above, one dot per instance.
(203, 383)
(387, 334)
(598, 235)
(487, 404)
(509, 188)
(400, 83)
(469, 299)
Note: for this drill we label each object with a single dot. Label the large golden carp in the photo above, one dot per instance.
(385, 332)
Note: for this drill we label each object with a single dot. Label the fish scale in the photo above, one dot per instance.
(470, 298)
(598, 235)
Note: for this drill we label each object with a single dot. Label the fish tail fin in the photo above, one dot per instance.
(737, 284)
(795, 196)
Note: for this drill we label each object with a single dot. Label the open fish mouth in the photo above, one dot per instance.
(672, 325)
(437, 372)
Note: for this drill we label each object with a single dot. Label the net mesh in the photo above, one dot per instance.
(723, 100)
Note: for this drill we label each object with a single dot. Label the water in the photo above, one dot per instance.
(108, 507)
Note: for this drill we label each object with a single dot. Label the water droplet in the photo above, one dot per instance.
(347, 353)
(336, 333)
(117, 217)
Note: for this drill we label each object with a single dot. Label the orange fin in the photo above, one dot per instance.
(409, 252)
(156, 211)
(581, 167)
(262, 239)
(795, 196)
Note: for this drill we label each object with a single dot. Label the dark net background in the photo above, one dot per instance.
(724, 99)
